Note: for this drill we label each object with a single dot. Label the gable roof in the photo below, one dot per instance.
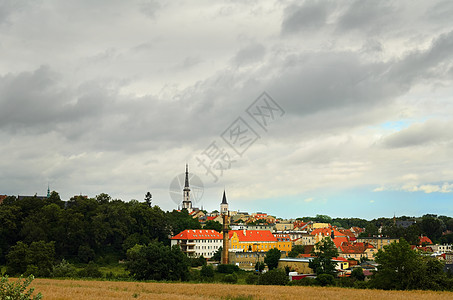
(253, 235)
(425, 239)
(198, 234)
(340, 240)
(357, 248)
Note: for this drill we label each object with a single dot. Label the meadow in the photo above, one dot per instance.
(53, 289)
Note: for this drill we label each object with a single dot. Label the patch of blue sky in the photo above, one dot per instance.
(359, 202)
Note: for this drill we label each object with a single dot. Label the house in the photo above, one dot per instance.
(242, 226)
(256, 240)
(246, 260)
(356, 230)
(357, 251)
(378, 242)
(197, 214)
(300, 264)
(442, 248)
(283, 242)
(283, 226)
(195, 243)
(306, 239)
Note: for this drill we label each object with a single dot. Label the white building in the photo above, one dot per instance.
(198, 242)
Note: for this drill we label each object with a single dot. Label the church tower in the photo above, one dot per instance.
(186, 203)
(225, 217)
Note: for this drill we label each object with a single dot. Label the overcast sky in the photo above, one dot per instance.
(116, 96)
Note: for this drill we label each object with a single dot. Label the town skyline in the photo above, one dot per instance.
(295, 108)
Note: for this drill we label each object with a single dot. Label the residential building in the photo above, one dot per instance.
(305, 239)
(378, 242)
(424, 240)
(242, 226)
(442, 248)
(195, 243)
(246, 260)
(357, 251)
(252, 240)
(283, 242)
(283, 226)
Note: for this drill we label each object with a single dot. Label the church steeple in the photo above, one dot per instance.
(186, 203)
(48, 191)
(186, 185)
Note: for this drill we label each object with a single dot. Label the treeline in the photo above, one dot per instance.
(83, 229)
(438, 228)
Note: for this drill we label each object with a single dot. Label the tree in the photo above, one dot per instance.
(148, 199)
(39, 257)
(273, 277)
(207, 272)
(213, 225)
(324, 251)
(296, 250)
(272, 257)
(157, 262)
(218, 254)
(357, 274)
(259, 266)
(401, 268)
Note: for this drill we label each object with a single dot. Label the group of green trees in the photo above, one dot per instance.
(36, 233)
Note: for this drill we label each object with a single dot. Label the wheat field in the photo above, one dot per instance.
(53, 289)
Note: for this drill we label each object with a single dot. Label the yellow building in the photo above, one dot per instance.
(378, 242)
(257, 241)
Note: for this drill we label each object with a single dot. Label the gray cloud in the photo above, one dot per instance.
(425, 134)
(309, 15)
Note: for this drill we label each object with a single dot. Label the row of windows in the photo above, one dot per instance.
(207, 247)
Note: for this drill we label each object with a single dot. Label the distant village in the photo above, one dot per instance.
(247, 237)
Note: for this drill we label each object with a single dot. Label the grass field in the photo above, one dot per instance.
(79, 289)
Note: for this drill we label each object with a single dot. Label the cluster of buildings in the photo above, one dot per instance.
(246, 238)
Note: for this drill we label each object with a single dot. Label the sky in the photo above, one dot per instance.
(295, 108)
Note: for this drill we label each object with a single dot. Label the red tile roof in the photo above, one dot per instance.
(357, 248)
(425, 239)
(211, 218)
(198, 234)
(340, 240)
(253, 235)
(326, 232)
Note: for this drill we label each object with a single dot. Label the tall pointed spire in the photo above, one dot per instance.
(224, 200)
(48, 191)
(187, 176)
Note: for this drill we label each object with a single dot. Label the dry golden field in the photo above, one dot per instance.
(79, 289)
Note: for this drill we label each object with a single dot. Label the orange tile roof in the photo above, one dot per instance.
(212, 218)
(340, 240)
(198, 234)
(253, 235)
(425, 239)
(326, 232)
(357, 248)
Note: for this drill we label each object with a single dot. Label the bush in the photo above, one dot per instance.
(91, 270)
(274, 277)
(17, 290)
(63, 269)
(362, 285)
(207, 273)
(306, 281)
(230, 278)
(252, 278)
(198, 262)
(325, 279)
(227, 269)
(345, 282)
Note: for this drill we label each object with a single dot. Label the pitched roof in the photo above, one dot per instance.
(198, 234)
(425, 239)
(340, 240)
(357, 248)
(326, 232)
(253, 235)
(211, 218)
